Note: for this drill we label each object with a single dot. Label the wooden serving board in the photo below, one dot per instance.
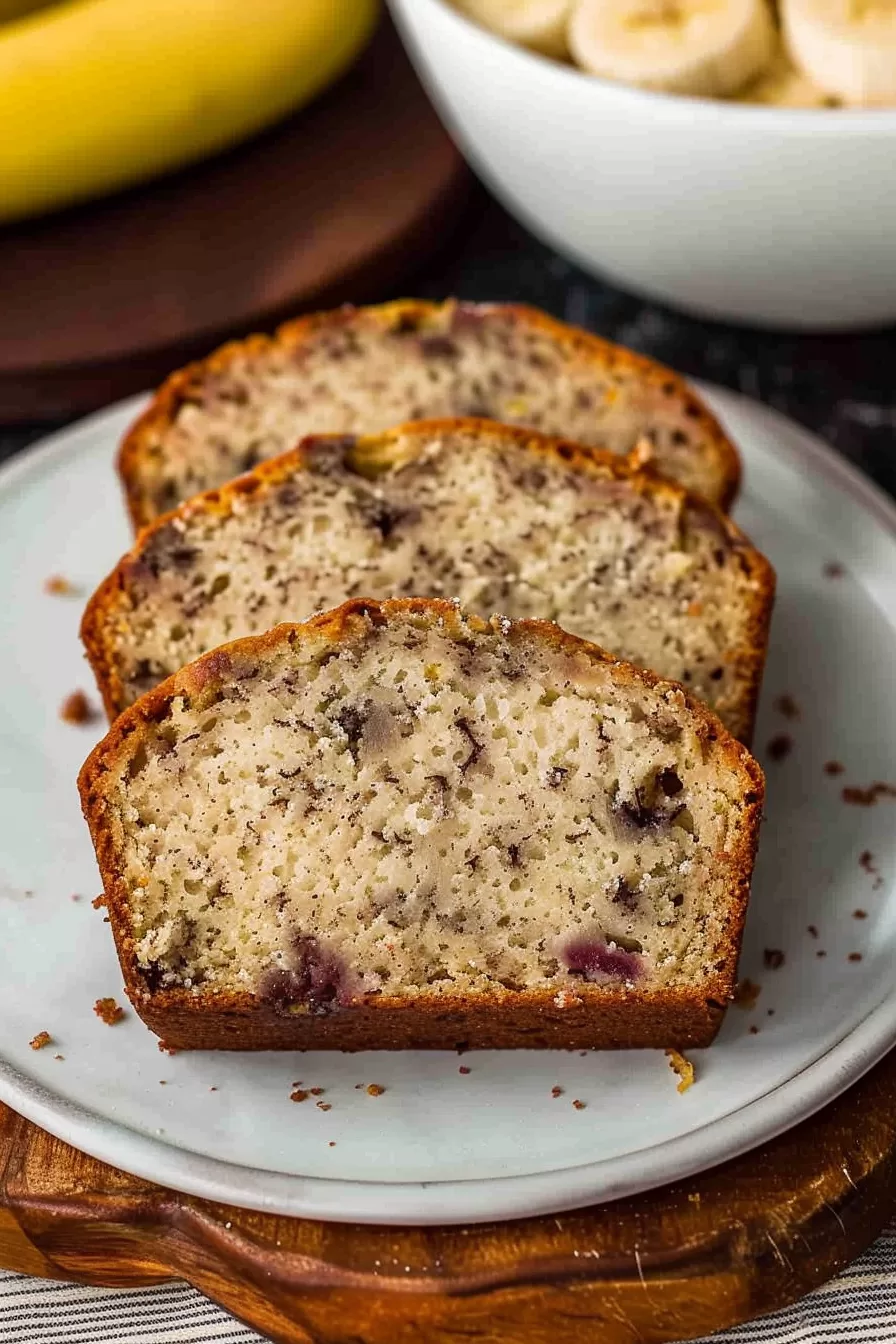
(676, 1263)
(339, 203)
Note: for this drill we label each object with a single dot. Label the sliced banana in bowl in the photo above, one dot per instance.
(782, 53)
(847, 47)
(705, 48)
(783, 85)
(537, 24)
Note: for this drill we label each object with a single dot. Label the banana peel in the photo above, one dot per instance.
(97, 95)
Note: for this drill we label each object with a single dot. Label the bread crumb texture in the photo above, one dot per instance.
(498, 519)
(57, 585)
(363, 371)
(398, 800)
(77, 709)
(746, 994)
(108, 1011)
(42, 1039)
(683, 1067)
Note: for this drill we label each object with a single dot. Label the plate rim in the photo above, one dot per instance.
(428, 1203)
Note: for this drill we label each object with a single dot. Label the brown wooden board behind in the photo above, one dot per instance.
(675, 1263)
(339, 203)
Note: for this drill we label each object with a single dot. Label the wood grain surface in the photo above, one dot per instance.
(676, 1263)
(339, 203)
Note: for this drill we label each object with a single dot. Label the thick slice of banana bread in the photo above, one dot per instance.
(397, 826)
(501, 518)
(361, 370)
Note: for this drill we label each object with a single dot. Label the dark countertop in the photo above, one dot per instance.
(843, 387)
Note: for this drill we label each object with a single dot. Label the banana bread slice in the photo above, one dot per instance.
(398, 826)
(361, 370)
(501, 518)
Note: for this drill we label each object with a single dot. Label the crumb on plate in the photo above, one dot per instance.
(779, 747)
(787, 706)
(57, 585)
(579, 1105)
(108, 1011)
(870, 796)
(556, 1091)
(298, 1095)
(375, 1090)
(746, 992)
(40, 1040)
(76, 708)
(773, 958)
(867, 864)
(833, 768)
(683, 1067)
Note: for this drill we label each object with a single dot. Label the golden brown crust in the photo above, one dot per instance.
(594, 1016)
(597, 1020)
(99, 617)
(181, 385)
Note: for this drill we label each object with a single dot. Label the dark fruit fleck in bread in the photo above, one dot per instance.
(501, 518)
(361, 370)
(396, 826)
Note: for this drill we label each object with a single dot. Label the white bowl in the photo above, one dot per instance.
(773, 216)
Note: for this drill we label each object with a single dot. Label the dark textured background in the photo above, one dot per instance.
(844, 387)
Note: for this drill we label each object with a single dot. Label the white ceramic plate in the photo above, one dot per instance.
(440, 1145)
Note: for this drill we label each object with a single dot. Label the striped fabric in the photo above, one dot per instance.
(859, 1307)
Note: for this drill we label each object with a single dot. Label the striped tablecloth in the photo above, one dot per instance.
(858, 1307)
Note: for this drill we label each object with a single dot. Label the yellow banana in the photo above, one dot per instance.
(99, 94)
(15, 9)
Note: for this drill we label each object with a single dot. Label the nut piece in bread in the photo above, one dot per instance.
(398, 826)
(361, 370)
(501, 518)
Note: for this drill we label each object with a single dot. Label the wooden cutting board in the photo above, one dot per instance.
(671, 1264)
(339, 203)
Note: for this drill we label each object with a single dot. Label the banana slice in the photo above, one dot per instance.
(537, 24)
(783, 85)
(706, 48)
(848, 47)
